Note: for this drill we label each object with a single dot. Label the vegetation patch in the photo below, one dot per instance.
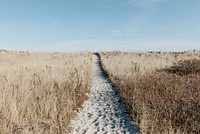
(41, 91)
(163, 93)
(186, 67)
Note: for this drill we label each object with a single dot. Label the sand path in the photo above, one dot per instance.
(102, 113)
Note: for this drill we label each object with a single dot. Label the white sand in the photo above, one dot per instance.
(102, 113)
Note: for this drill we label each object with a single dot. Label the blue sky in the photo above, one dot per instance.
(79, 25)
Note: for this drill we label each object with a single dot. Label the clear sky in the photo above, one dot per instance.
(78, 25)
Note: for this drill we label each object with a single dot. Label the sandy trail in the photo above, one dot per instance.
(102, 113)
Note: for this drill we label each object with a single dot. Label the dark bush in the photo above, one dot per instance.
(185, 67)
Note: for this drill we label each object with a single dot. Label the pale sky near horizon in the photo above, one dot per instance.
(79, 25)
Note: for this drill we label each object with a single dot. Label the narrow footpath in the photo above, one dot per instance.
(102, 113)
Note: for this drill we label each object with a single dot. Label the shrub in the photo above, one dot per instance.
(185, 67)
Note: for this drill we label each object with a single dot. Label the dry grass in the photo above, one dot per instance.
(40, 91)
(157, 97)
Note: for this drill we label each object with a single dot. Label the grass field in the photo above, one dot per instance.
(40, 91)
(161, 90)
